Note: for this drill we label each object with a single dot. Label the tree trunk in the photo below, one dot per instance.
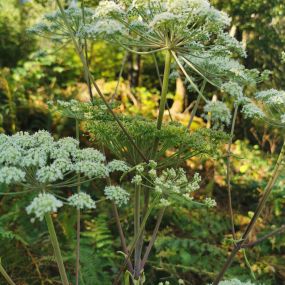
(178, 104)
(134, 63)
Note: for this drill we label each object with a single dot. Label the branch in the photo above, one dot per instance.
(153, 238)
(274, 176)
(229, 172)
(269, 235)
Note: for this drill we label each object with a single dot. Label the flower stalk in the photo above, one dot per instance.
(78, 215)
(229, 171)
(56, 248)
(136, 231)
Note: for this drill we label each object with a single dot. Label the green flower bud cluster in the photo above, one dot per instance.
(171, 184)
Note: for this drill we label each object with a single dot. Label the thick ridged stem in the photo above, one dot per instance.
(56, 249)
(260, 207)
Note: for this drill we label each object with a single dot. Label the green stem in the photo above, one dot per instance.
(229, 172)
(78, 217)
(275, 174)
(85, 46)
(160, 83)
(5, 275)
(136, 231)
(56, 248)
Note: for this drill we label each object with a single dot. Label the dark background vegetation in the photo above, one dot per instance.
(193, 243)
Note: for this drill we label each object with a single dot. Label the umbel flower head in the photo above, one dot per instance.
(182, 25)
(43, 204)
(46, 203)
(39, 162)
(117, 194)
(81, 201)
(53, 25)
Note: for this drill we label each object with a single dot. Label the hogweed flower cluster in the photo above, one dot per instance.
(194, 30)
(42, 162)
(154, 25)
(117, 194)
(81, 201)
(39, 162)
(53, 25)
(42, 204)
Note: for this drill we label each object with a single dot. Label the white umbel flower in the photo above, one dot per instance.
(10, 175)
(91, 169)
(108, 7)
(81, 201)
(43, 204)
(117, 194)
(117, 165)
(89, 154)
(48, 162)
